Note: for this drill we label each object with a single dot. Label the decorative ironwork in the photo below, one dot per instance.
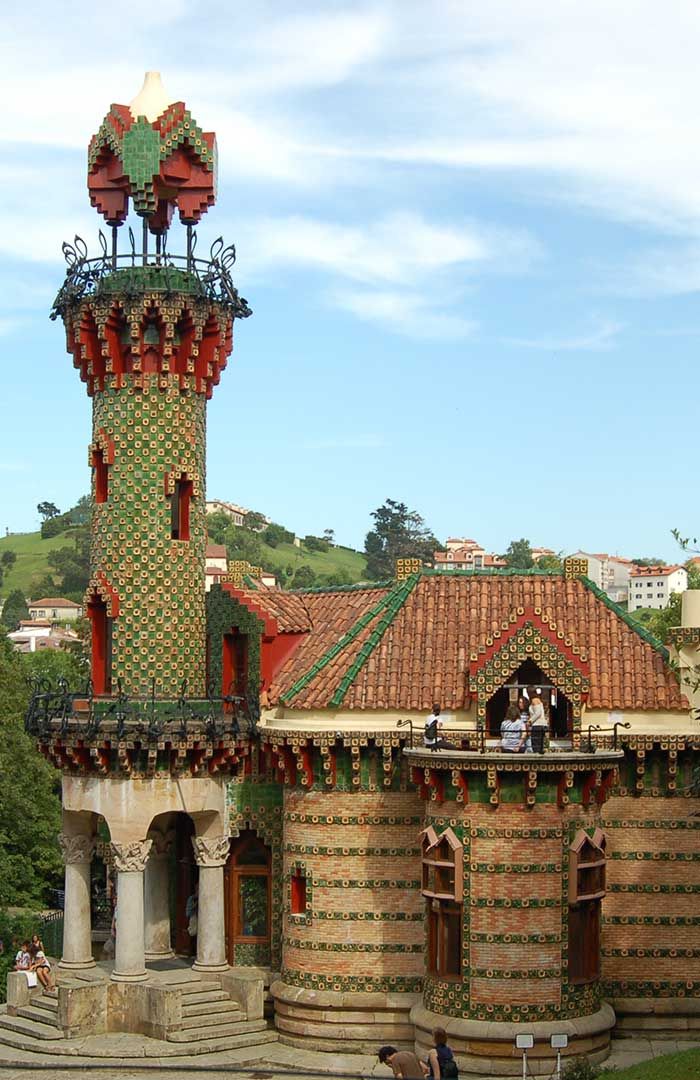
(55, 709)
(209, 278)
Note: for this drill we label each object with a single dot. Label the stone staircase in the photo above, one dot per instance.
(211, 1022)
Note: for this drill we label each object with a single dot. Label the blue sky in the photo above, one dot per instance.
(469, 235)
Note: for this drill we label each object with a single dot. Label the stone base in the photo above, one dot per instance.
(154, 957)
(657, 1018)
(118, 976)
(210, 969)
(336, 1021)
(484, 1048)
(76, 965)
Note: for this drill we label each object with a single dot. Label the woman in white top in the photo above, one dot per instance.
(23, 963)
(538, 723)
(41, 965)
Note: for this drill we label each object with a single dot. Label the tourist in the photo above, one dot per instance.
(431, 735)
(440, 1062)
(40, 964)
(513, 732)
(524, 710)
(191, 908)
(23, 963)
(402, 1063)
(538, 722)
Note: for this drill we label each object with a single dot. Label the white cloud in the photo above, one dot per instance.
(599, 339)
(411, 313)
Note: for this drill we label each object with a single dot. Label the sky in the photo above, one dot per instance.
(469, 234)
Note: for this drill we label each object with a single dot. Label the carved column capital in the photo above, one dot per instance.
(76, 849)
(132, 857)
(210, 851)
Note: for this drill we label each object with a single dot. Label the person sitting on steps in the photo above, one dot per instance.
(431, 735)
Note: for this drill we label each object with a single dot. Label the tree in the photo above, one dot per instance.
(30, 804)
(8, 560)
(242, 544)
(304, 578)
(48, 510)
(661, 622)
(14, 609)
(519, 555)
(277, 534)
(398, 533)
(315, 543)
(72, 563)
(254, 521)
(648, 562)
(549, 562)
(217, 524)
(329, 536)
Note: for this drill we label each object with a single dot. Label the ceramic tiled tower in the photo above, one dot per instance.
(150, 333)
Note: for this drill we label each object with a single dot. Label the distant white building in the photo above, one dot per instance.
(653, 586)
(34, 635)
(238, 514)
(465, 554)
(55, 609)
(611, 573)
(216, 565)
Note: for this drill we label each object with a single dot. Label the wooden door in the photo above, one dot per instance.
(248, 896)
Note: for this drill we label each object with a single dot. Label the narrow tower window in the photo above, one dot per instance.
(180, 510)
(101, 667)
(101, 476)
(586, 892)
(298, 892)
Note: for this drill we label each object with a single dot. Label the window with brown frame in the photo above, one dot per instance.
(101, 476)
(249, 870)
(442, 887)
(586, 891)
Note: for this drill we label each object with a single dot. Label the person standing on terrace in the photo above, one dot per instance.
(513, 731)
(431, 735)
(538, 721)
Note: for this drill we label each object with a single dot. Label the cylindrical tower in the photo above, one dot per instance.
(150, 335)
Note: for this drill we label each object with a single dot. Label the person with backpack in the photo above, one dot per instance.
(440, 1062)
(432, 736)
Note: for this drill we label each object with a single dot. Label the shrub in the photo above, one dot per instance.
(581, 1069)
(14, 928)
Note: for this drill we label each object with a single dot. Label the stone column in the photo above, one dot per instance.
(157, 899)
(129, 958)
(77, 923)
(211, 854)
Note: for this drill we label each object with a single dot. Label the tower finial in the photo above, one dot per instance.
(152, 99)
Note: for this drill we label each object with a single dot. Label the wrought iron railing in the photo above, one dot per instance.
(209, 278)
(55, 709)
(474, 739)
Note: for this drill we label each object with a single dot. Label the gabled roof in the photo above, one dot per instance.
(654, 571)
(216, 551)
(54, 601)
(408, 645)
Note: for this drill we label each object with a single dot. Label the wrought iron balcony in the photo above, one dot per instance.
(56, 710)
(134, 272)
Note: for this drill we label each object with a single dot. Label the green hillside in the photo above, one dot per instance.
(333, 561)
(31, 552)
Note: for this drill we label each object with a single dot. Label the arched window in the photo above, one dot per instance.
(101, 666)
(586, 891)
(442, 886)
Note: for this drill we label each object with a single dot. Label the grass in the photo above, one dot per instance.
(682, 1066)
(31, 552)
(321, 562)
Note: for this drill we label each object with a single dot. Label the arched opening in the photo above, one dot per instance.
(101, 664)
(185, 877)
(234, 668)
(247, 883)
(180, 509)
(529, 674)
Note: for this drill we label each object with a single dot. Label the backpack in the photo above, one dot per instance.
(448, 1065)
(431, 731)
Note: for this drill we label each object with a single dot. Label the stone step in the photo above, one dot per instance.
(204, 997)
(46, 1002)
(30, 1049)
(226, 1015)
(29, 1028)
(41, 1016)
(216, 1032)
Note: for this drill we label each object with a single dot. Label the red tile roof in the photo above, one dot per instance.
(654, 571)
(289, 610)
(54, 601)
(406, 651)
(216, 551)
